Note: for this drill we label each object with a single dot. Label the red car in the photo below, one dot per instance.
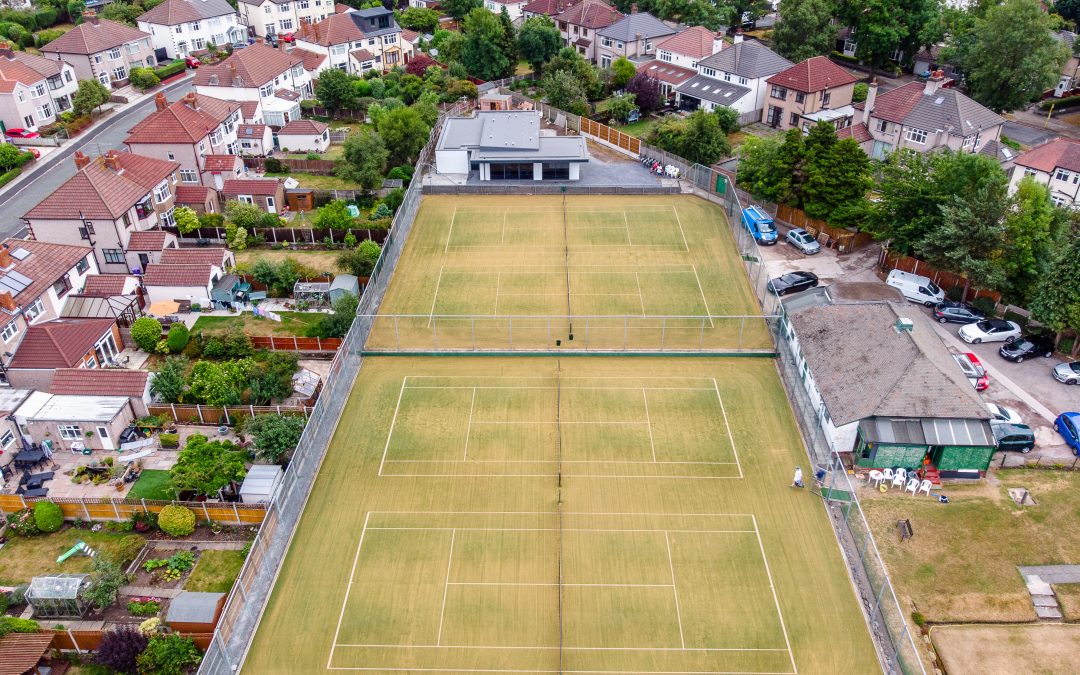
(22, 133)
(973, 370)
(192, 62)
(287, 37)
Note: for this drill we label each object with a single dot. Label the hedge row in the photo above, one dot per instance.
(6, 178)
(170, 70)
(1067, 102)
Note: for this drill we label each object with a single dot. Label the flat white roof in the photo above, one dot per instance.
(44, 407)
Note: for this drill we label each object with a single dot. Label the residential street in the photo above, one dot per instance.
(58, 166)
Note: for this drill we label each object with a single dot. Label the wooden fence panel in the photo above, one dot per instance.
(100, 508)
(90, 640)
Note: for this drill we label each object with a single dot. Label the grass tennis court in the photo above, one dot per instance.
(510, 272)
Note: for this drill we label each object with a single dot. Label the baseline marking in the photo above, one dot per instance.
(675, 589)
(776, 599)
(731, 438)
(348, 589)
(446, 585)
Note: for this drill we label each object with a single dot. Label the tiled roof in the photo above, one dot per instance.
(254, 66)
(311, 60)
(303, 128)
(20, 652)
(44, 266)
(362, 55)
(945, 109)
(220, 163)
(636, 26)
(194, 256)
(249, 109)
(287, 95)
(90, 38)
(812, 75)
(174, 12)
(710, 89)
(749, 59)
(191, 194)
(147, 240)
(1059, 153)
(251, 131)
(177, 275)
(59, 343)
(46, 67)
(857, 131)
(341, 8)
(695, 42)
(98, 192)
(409, 35)
(179, 122)
(251, 186)
(333, 30)
(104, 285)
(14, 70)
(666, 72)
(100, 382)
(547, 7)
(591, 14)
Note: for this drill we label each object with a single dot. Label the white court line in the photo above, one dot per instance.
(446, 585)
(449, 234)
(551, 529)
(502, 232)
(619, 422)
(579, 649)
(563, 672)
(462, 386)
(565, 513)
(468, 430)
(392, 423)
(674, 587)
(566, 377)
(776, 598)
(348, 589)
(549, 475)
(498, 283)
(641, 298)
(626, 224)
(648, 421)
(550, 461)
(702, 291)
(480, 269)
(431, 316)
(681, 230)
(522, 583)
(731, 438)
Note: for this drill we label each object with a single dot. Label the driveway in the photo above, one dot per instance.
(1028, 135)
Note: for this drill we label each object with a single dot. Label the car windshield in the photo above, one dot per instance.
(1022, 345)
(1075, 365)
(933, 287)
(985, 326)
(766, 226)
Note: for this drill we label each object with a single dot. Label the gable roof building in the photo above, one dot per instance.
(256, 73)
(632, 36)
(811, 91)
(184, 26)
(1056, 165)
(687, 47)
(100, 382)
(734, 77)
(60, 343)
(33, 89)
(374, 30)
(102, 50)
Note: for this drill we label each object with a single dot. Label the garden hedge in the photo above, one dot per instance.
(173, 68)
(1067, 102)
(9, 176)
(169, 440)
(48, 516)
(179, 521)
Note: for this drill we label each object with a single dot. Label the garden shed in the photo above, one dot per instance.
(260, 483)
(344, 283)
(192, 612)
(58, 596)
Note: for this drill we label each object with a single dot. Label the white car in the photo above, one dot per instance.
(990, 330)
(999, 414)
(803, 240)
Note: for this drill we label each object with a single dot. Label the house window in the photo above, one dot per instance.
(44, 113)
(168, 218)
(113, 256)
(727, 77)
(198, 43)
(665, 56)
(303, 4)
(61, 287)
(266, 90)
(882, 126)
(794, 119)
(67, 76)
(114, 53)
(1066, 176)
(119, 73)
(10, 331)
(36, 309)
(778, 92)
(267, 9)
(605, 61)
(799, 97)
(39, 90)
(188, 176)
(215, 137)
(825, 96)
(1058, 201)
(83, 265)
(245, 199)
(286, 24)
(132, 47)
(708, 72)
(606, 41)
(7, 439)
(162, 192)
(338, 50)
(916, 136)
(194, 25)
(180, 28)
(70, 432)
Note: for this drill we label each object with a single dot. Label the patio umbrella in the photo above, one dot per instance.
(163, 308)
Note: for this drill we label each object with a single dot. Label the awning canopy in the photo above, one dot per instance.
(926, 431)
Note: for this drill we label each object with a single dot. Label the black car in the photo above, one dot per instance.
(1027, 346)
(793, 282)
(951, 311)
(1014, 437)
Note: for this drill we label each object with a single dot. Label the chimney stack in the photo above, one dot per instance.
(90, 16)
(7, 302)
(259, 41)
(738, 36)
(191, 101)
(81, 160)
(933, 83)
(112, 161)
(871, 96)
(236, 81)
(717, 42)
(281, 46)
(6, 51)
(160, 101)
(5, 258)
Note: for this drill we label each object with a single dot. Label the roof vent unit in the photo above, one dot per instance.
(904, 325)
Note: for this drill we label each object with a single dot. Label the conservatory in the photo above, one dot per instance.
(59, 596)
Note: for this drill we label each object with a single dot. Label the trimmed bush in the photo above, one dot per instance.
(1058, 103)
(178, 337)
(143, 78)
(48, 516)
(146, 332)
(169, 440)
(10, 624)
(9, 176)
(173, 68)
(179, 521)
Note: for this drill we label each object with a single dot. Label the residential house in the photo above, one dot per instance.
(811, 91)
(1056, 165)
(734, 77)
(266, 193)
(33, 89)
(102, 50)
(190, 131)
(255, 139)
(219, 168)
(62, 343)
(847, 45)
(687, 47)
(304, 136)
(146, 246)
(670, 76)
(263, 74)
(548, 8)
(181, 27)
(579, 25)
(220, 259)
(374, 31)
(924, 117)
(107, 200)
(634, 36)
(513, 8)
(192, 283)
(1070, 70)
(279, 17)
(884, 386)
(108, 285)
(251, 112)
(198, 198)
(36, 279)
(91, 421)
(127, 382)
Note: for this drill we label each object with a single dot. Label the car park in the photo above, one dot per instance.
(1026, 347)
(951, 311)
(989, 330)
(793, 282)
(916, 288)
(1068, 425)
(1013, 437)
(21, 133)
(1000, 414)
(803, 240)
(760, 225)
(1067, 373)
(973, 370)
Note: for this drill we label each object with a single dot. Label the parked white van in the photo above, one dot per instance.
(916, 288)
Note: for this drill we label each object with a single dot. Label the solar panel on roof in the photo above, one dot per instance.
(20, 254)
(21, 277)
(10, 286)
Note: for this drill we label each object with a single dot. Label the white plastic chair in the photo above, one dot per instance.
(875, 477)
(887, 476)
(899, 478)
(912, 487)
(926, 486)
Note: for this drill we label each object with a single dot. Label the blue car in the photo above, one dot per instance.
(1068, 425)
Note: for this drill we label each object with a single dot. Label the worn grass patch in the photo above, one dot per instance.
(320, 261)
(215, 572)
(292, 323)
(1006, 650)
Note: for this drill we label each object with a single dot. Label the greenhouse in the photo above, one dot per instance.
(58, 597)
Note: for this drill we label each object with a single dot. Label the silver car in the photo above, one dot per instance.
(803, 240)
(1068, 373)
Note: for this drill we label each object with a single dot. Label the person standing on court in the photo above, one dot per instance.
(797, 481)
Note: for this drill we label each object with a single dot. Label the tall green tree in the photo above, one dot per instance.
(89, 97)
(1014, 56)
(568, 60)
(483, 52)
(837, 172)
(968, 241)
(508, 43)
(404, 132)
(1056, 303)
(336, 89)
(169, 379)
(459, 9)
(879, 30)
(275, 436)
(805, 29)
(697, 138)
(537, 41)
(419, 19)
(1033, 234)
(755, 174)
(622, 69)
(364, 157)
(564, 91)
(908, 200)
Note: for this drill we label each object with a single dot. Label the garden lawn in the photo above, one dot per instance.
(152, 484)
(322, 261)
(310, 180)
(215, 572)
(641, 128)
(22, 558)
(292, 323)
(335, 152)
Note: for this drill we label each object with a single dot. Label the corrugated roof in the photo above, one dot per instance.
(749, 59)
(177, 275)
(643, 24)
(90, 38)
(174, 12)
(252, 186)
(59, 343)
(105, 285)
(98, 192)
(45, 265)
(147, 240)
(187, 120)
(254, 66)
(812, 75)
(695, 42)
(303, 128)
(100, 381)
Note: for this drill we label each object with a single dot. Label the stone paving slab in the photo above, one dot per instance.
(1048, 612)
(1044, 601)
(1054, 574)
